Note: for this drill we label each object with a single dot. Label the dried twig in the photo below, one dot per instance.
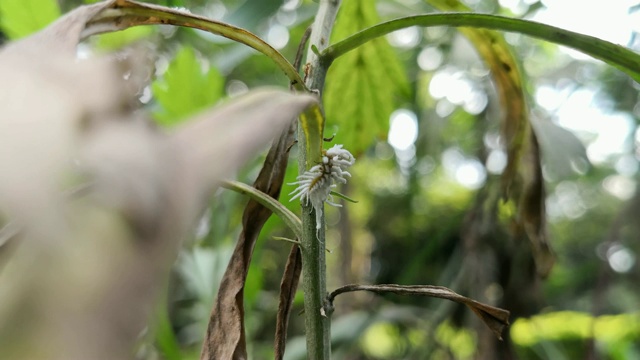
(288, 287)
(496, 319)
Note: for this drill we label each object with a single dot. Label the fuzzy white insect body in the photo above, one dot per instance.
(315, 184)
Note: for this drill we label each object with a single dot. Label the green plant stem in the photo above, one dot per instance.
(615, 55)
(267, 201)
(314, 278)
(131, 13)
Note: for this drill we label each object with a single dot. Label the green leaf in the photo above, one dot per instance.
(362, 87)
(19, 18)
(165, 337)
(185, 88)
(343, 196)
(120, 39)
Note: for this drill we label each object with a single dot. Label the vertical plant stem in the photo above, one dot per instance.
(317, 323)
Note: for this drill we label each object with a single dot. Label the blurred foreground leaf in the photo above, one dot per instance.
(109, 251)
(562, 151)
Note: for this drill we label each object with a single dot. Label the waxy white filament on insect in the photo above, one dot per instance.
(316, 183)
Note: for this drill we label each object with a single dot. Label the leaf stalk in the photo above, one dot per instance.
(614, 55)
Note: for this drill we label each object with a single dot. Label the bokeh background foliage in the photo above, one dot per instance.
(422, 189)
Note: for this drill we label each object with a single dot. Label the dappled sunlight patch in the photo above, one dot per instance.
(442, 191)
(563, 325)
(461, 342)
(385, 340)
(382, 341)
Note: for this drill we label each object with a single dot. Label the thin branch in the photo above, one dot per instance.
(615, 55)
(495, 318)
(300, 52)
(288, 288)
(280, 238)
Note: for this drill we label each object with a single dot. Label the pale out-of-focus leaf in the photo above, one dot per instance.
(83, 281)
(563, 153)
(45, 100)
(19, 18)
(185, 89)
(203, 149)
(364, 84)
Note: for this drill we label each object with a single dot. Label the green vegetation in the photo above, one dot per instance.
(489, 159)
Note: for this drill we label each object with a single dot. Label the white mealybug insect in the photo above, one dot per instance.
(316, 183)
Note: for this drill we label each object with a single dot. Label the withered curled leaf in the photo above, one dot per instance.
(225, 338)
(495, 318)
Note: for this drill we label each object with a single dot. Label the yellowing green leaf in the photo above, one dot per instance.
(19, 18)
(312, 124)
(185, 88)
(363, 85)
(525, 177)
(496, 53)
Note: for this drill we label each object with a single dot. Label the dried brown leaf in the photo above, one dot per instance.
(288, 287)
(533, 211)
(225, 338)
(496, 319)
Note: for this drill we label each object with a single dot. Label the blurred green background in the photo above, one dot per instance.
(419, 190)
